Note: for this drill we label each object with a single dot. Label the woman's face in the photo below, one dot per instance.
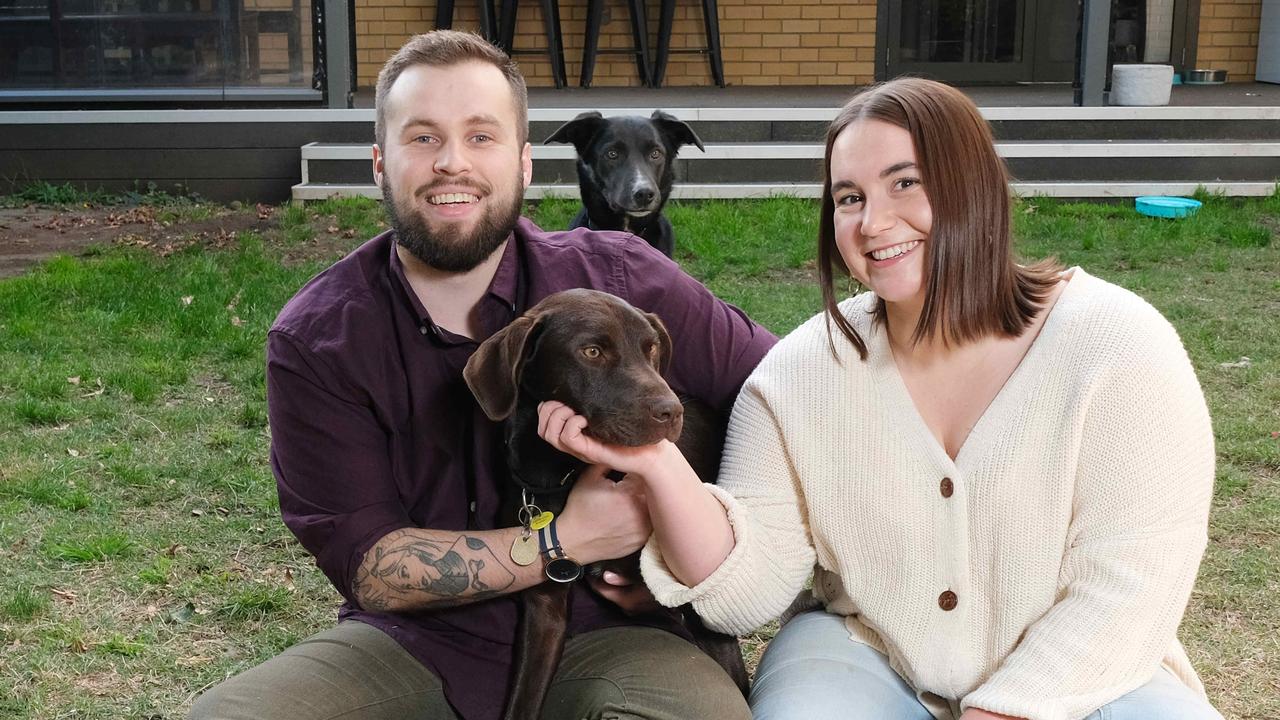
(882, 215)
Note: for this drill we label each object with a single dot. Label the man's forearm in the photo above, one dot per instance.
(418, 569)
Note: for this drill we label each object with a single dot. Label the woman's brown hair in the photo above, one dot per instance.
(974, 286)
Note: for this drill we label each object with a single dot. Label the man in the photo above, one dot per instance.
(389, 473)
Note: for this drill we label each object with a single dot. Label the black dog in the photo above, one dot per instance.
(625, 169)
(604, 358)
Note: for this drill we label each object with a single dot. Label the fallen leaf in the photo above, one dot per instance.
(187, 299)
(78, 646)
(180, 614)
(349, 234)
(65, 595)
(264, 211)
(74, 380)
(197, 513)
(1243, 362)
(332, 229)
(235, 320)
(73, 452)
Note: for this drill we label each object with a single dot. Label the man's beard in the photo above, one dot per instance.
(447, 248)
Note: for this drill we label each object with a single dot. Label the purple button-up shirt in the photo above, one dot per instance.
(373, 428)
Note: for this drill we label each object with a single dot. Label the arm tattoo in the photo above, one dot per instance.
(410, 569)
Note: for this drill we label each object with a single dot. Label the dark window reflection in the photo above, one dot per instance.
(154, 43)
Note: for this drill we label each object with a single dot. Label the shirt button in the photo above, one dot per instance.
(947, 600)
(423, 329)
(947, 488)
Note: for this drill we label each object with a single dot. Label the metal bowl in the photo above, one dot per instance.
(1205, 77)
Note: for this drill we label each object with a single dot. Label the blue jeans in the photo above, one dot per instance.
(813, 670)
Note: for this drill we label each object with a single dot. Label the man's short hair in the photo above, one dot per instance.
(445, 48)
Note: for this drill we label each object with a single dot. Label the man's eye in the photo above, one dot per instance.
(482, 138)
(591, 351)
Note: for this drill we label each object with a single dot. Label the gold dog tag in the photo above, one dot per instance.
(541, 520)
(524, 550)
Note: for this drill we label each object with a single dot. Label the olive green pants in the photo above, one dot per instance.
(355, 671)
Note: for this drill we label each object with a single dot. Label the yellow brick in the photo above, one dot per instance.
(762, 54)
(865, 54)
(820, 11)
(827, 54)
(799, 55)
(780, 12)
(1247, 54)
(780, 40)
(780, 68)
(1230, 39)
(743, 13)
(840, 26)
(858, 11)
(760, 80)
(867, 26)
(849, 68)
(387, 28)
(802, 26)
(403, 13)
(1215, 24)
(745, 40)
(760, 26)
(820, 40)
(729, 27)
(1212, 53)
(818, 68)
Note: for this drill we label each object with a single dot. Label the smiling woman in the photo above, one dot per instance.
(966, 468)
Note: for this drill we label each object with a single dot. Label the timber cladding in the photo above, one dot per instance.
(1228, 37)
(764, 42)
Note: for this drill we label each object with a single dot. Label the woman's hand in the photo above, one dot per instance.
(978, 714)
(559, 425)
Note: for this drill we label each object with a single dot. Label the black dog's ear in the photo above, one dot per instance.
(493, 371)
(678, 131)
(664, 342)
(578, 131)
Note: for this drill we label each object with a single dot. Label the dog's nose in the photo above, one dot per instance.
(644, 196)
(664, 411)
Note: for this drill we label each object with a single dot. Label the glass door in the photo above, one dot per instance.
(960, 40)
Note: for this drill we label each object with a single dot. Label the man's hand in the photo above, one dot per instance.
(978, 714)
(603, 520)
(628, 593)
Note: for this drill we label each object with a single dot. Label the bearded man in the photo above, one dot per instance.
(388, 471)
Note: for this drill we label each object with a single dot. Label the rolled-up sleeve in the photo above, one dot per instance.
(330, 460)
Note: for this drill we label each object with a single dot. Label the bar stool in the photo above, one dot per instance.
(551, 22)
(444, 18)
(710, 20)
(639, 35)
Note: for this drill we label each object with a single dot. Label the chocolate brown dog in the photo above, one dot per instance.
(604, 358)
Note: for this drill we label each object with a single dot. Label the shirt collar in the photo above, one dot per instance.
(504, 287)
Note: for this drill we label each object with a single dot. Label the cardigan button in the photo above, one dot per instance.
(948, 601)
(947, 487)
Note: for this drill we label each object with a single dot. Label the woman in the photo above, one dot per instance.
(998, 475)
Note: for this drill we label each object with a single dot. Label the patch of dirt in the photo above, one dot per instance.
(29, 235)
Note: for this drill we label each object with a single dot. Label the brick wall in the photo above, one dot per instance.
(765, 42)
(1229, 37)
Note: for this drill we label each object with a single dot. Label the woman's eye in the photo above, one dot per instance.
(591, 352)
(848, 200)
(905, 183)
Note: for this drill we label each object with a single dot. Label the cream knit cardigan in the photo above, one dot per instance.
(1071, 540)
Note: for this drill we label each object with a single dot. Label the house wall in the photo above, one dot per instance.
(1229, 37)
(764, 42)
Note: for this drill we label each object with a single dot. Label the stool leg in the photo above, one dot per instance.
(444, 14)
(486, 20)
(712, 20)
(595, 15)
(555, 45)
(507, 26)
(640, 37)
(665, 18)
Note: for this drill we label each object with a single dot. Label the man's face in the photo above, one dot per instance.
(452, 167)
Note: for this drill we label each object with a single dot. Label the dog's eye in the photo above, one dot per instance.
(655, 155)
(611, 154)
(591, 351)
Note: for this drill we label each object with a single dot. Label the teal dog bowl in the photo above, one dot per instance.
(1166, 207)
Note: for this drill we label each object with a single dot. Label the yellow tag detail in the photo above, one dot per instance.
(542, 520)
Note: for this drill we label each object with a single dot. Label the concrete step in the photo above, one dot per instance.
(303, 192)
(792, 163)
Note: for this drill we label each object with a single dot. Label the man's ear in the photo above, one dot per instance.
(379, 165)
(526, 163)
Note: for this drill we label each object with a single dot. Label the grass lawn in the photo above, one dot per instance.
(144, 558)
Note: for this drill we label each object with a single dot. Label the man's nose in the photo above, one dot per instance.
(452, 159)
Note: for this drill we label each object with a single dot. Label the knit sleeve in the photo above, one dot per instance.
(1144, 485)
(772, 554)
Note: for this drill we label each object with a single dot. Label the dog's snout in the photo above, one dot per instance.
(644, 196)
(664, 410)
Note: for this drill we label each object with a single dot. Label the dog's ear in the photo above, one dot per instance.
(493, 372)
(676, 130)
(578, 131)
(664, 342)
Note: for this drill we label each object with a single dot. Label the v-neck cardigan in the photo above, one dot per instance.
(1041, 574)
